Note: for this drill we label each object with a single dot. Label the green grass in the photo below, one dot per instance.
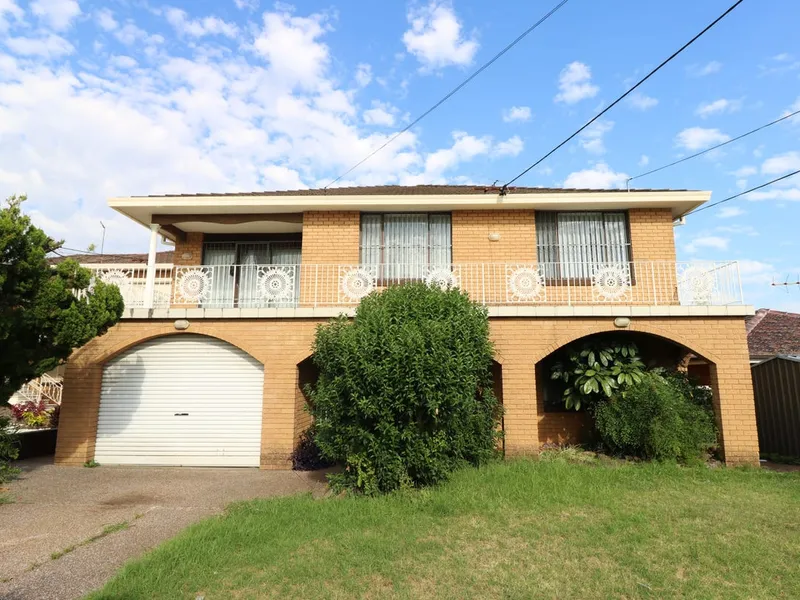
(519, 529)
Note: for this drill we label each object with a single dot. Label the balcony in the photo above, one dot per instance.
(508, 289)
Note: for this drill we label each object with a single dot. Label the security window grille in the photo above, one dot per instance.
(571, 245)
(405, 245)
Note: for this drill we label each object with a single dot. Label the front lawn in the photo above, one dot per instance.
(518, 529)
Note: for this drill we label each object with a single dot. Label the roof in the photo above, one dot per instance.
(165, 257)
(407, 190)
(772, 332)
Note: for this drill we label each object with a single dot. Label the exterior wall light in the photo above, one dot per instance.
(622, 322)
(181, 324)
(494, 237)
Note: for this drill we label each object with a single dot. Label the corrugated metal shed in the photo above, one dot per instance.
(776, 385)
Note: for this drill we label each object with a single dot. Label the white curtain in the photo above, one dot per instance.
(575, 243)
(405, 244)
(251, 256)
(221, 257)
(288, 254)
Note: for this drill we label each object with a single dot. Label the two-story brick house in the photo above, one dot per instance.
(214, 375)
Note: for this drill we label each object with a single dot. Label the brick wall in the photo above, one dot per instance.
(652, 235)
(281, 344)
(192, 248)
(331, 237)
(471, 229)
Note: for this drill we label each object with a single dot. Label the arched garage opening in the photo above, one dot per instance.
(181, 400)
(560, 425)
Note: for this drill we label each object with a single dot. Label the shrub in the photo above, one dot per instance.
(657, 419)
(404, 394)
(9, 450)
(307, 455)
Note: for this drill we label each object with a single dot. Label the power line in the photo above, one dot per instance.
(729, 198)
(672, 164)
(622, 97)
(75, 250)
(451, 92)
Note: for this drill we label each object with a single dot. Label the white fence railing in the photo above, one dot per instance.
(44, 388)
(649, 283)
(131, 282)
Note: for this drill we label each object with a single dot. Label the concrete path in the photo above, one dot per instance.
(56, 508)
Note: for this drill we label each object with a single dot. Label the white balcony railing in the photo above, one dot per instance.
(652, 283)
(131, 282)
(492, 284)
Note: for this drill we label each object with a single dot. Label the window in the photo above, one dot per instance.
(405, 245)
(571, 244)
(235, 267)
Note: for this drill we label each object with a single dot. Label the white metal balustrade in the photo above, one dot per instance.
(651, 283)
(132, 283)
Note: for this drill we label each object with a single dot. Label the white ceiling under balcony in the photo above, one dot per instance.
(254, 227)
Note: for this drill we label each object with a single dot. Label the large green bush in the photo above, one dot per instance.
(662, 417)
(404, 394)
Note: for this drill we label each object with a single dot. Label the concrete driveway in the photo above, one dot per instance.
(58, 508)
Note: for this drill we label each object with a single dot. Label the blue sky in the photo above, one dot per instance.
(123, 97)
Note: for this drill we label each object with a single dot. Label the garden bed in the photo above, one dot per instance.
(36, 442)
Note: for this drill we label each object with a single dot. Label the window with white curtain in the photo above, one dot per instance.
(405, 245)
(572, 244)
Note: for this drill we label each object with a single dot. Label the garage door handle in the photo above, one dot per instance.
(181, 414)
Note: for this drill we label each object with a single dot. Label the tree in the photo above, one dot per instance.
(45, 312)
(404, 394)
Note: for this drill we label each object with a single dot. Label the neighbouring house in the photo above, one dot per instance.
(771, 333)
(208, 364)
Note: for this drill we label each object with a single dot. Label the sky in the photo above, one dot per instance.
(104, 98)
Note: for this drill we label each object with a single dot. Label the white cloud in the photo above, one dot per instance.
(713, 242)
(56, 13)
(782, 163)
(380, 114)
(435, 37)
(363, 74)
(793, 108)
(180, 20)
(511, 147)
(517, 113)
(105, 20)
(708, 68)
(123, 62)
(728, 212)
(9, 7)
(792, 194)
(264, 111)
(599, 177)
(246, 4)
(721, 106)
(591, 138)
(756, 272)
(697, 138)
(48, 46)
(644, 160)
(782, 57)
(641, 101)
(575, 83)
(738, 230)
(465, 147)
(745, 171)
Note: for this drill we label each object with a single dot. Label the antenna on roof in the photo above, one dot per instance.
(786, 283)
(103, 241)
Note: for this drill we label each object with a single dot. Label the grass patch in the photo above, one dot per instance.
(6, 499)
(107, 530)
(516, 529)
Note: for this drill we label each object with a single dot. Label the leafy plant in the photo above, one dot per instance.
(9, 450)
(656, 419)
(404, 395)
(91, 464)
(31, 414)
(598, 370)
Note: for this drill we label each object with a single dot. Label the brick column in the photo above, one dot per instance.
(80, 404)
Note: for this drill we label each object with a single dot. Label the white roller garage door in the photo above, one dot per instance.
(181, 400)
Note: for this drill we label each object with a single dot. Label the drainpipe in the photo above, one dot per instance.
(150, 282)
